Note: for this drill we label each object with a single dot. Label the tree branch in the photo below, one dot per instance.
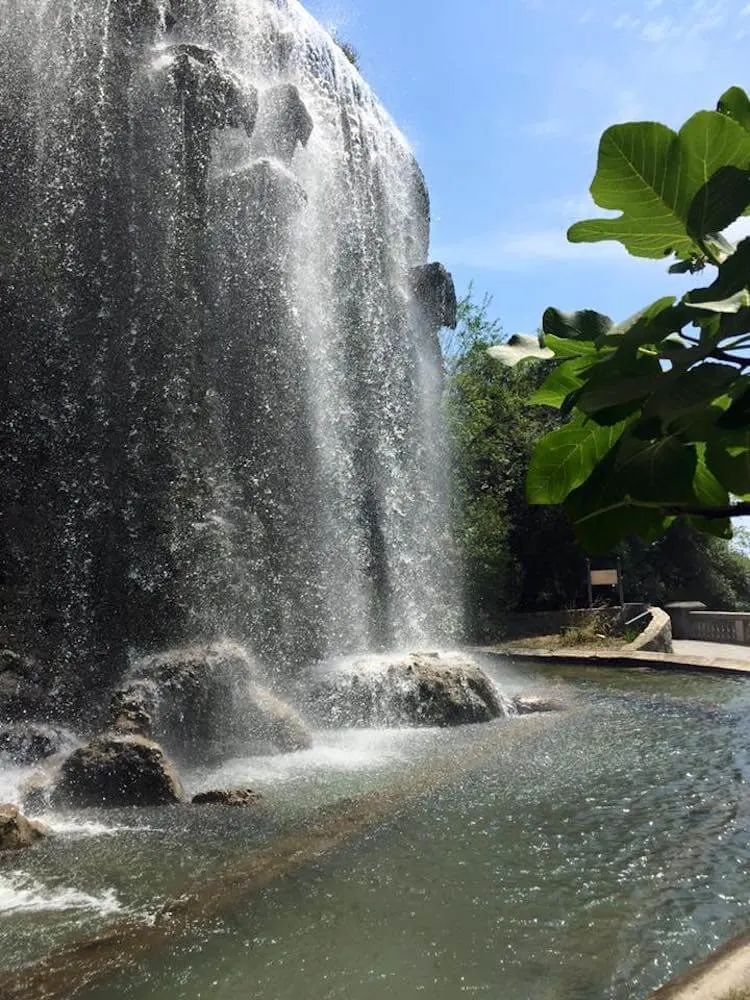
(710, 513)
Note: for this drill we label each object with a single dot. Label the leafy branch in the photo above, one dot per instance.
(658, 406)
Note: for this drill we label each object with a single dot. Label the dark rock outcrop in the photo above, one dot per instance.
(21, 694)
(26, 743)
(435, 292)
(207, 703)
(230, 797)
(115, 770)
(17, 832)
(283, 122)
(419, 689)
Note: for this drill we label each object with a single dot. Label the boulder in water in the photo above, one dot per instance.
(17, 832)
(117, 770)
(208, 703)
(417, 689)
(230, 797)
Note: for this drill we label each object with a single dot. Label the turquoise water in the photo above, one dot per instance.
(582, 856)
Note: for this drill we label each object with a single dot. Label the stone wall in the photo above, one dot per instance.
(516, 625)
(692, 620)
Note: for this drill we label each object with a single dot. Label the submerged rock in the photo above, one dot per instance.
(529, 704)
(116, 770)
(17, 832)
(230, 797)
(26, 743)
(207, 702)
(418, 689)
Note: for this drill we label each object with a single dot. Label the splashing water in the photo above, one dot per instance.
(224, 390)
(21, 894)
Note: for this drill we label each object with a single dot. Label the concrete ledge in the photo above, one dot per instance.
(725, 975)
(620, 658)
(656, 637)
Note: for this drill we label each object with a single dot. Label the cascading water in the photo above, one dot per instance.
(221, 380)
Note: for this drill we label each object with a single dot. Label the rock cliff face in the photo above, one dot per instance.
(221, 412)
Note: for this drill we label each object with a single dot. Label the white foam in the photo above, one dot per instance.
(10, 783)
(334, 751)
(80, 829)
(21, 894)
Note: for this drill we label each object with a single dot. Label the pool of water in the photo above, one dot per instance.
(581, 856)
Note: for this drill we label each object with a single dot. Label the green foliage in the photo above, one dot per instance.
(349, 51)
(656, 408)
(526, 557)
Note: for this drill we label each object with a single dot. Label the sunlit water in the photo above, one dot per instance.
(590, 855)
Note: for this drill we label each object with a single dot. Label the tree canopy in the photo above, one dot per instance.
(656, 409)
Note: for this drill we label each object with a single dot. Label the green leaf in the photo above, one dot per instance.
(718, 527)
(638, 174)
(737, 416)
(563, 348)
(584, 325)
(560, 383)
(653, 175)
(520, 347)
(565, 458)
(708, 490)
(604, 530)
(736, 104)
(660, 471)
(652, 324)
(730, 464)
(680, 392)
(720, 201)
(733, 276)
(740, 300)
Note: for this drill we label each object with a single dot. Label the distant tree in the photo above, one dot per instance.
(526, 557)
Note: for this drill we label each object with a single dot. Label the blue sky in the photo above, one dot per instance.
(504, 102)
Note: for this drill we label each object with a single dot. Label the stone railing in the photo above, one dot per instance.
(695, 621)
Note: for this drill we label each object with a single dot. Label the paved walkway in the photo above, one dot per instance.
(722, 650)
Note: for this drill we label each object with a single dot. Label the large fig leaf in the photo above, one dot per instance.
(564, 459)
(652, 176)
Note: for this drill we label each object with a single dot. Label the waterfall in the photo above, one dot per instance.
(221, 384)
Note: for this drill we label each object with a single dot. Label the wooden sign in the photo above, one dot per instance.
(604, 578)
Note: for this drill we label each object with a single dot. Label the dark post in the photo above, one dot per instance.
(620, 583)
(588, 583)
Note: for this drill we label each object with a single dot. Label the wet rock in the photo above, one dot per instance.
(419, 689)
(21, 694)
(283, 122)
(26, 743)
(230, 797)
(117, 770)
(35, 791)
(529, 704)
(435, 293)
(213, 97)
(17, 832)
(209, 703)
(130, 710)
